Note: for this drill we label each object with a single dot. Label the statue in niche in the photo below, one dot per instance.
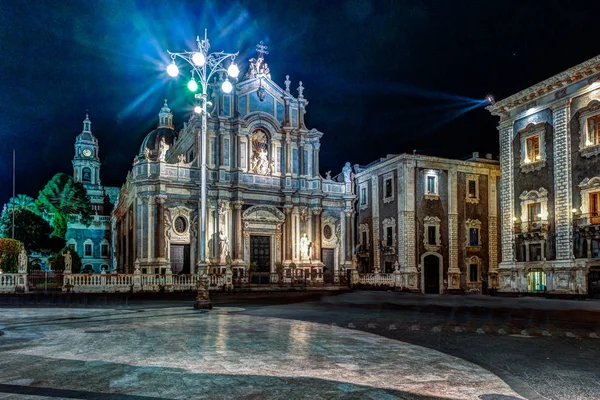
(259, 163)
(305, 247)
(163, 147)
(223, 246)
(347, 170)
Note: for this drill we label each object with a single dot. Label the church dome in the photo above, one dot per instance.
(164, 130)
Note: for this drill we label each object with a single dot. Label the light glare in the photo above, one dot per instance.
(172, 69)
(198, 110)
(192, 85)
(198, 59)
(227, 86)
(233, 70)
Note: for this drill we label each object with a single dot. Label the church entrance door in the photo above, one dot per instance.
(260, 252)
(328, 257)
(432, 274)
(180, 258)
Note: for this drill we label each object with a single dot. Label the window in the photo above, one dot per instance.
(594, 203)
(86, 175)
(473, 273)
(305, 166)
(388, 188)
(472, 189)
(364, 240)
(190, 155)
(533, 149)
(327, 232)
(72, 246)
(279, 159)
(431, 235)
(363, 196)
(534, 212)
(473, 236)
(104, 250)
(535, 252)
(213, 151)
(431, 184)
(593, 131)
(88, 250)
(389, 236)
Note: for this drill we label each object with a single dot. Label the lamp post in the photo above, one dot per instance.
(204, 66)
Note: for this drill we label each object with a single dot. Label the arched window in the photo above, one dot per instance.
(86, 174)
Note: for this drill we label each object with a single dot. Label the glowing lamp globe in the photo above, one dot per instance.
(233, 70)
(172, 69)
(192, 85)
(198, 59)
(198, 110)
(227, 86)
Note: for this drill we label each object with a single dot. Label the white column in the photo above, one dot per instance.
(562, 183)
(507, 192)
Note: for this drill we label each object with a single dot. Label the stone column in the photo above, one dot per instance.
(295, 234)
(288, 154)
(317, 233)
(288, 232)
(562, 183)
(492, 231)
(454, 269)
(507, 192)
(348, 213)
(238, 238)
(316, 147)
(159, 234)
(375, 222)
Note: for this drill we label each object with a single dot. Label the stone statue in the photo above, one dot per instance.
(23, 261)
(181, 158)
(68, 261)
(305, 247)
(223, 246)
(328, 175)
(163, 147)
(260, 162)
(347, 170)
(147, 154)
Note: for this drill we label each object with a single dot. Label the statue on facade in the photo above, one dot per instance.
(223, 246)
(68, 261)
(22, 261)
(181, 158)
(328, 175)
(305, 247)
(147, 154)
(260, 162)
(163, 147)
(347, 171)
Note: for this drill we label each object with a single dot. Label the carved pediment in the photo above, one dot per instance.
(533, 194)
(263, 214)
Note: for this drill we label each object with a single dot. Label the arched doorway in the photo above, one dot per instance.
(431, 274)
(594, 282)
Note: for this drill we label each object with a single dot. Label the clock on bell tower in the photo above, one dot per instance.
(86, 163)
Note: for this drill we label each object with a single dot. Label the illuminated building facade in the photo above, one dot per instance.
(267, 205)
(431, 219)
(550, 184)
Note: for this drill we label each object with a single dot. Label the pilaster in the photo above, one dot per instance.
(507, 192)
(453, 270)
(492, 232)
(375, 222)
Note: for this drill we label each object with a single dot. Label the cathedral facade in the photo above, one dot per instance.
(92, 242)
(268, 208)
(550, 184)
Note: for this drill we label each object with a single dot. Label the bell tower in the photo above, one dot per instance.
(86, 163)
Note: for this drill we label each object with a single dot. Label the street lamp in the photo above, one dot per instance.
(204, 66)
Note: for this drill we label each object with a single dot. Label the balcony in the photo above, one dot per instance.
(529, 228)
(588, 219)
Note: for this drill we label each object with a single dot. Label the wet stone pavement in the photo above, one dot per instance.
(180, 353)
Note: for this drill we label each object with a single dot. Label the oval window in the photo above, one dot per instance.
(180, 225)
(327, 232)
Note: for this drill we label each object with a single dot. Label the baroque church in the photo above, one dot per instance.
(268, 208)
(92, 242)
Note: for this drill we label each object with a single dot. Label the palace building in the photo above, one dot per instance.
(550, 184)
(268, 208)
(431, 220)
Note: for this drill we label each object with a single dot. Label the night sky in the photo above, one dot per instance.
(381, 76)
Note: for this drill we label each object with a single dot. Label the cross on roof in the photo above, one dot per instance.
(261, 49)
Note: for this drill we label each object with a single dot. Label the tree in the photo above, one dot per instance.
(32, 230)
(19, 202)
(9, 255)
(57, 260)
(62, 196)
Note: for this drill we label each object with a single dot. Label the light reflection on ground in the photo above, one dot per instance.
(180, 353)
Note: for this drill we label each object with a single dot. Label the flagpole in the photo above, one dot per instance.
(13, 199)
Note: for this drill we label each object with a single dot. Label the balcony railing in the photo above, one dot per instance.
(532, 226)
(588, 219)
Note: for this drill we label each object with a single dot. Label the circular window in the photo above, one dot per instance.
(180, 225)
(327, 232)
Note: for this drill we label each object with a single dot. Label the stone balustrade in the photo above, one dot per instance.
(10, 283)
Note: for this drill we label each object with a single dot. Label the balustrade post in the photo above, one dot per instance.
(137, 277)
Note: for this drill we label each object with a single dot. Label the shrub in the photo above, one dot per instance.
(9, 255)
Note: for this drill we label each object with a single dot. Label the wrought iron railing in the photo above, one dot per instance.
(532, 226)
(588, 219)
